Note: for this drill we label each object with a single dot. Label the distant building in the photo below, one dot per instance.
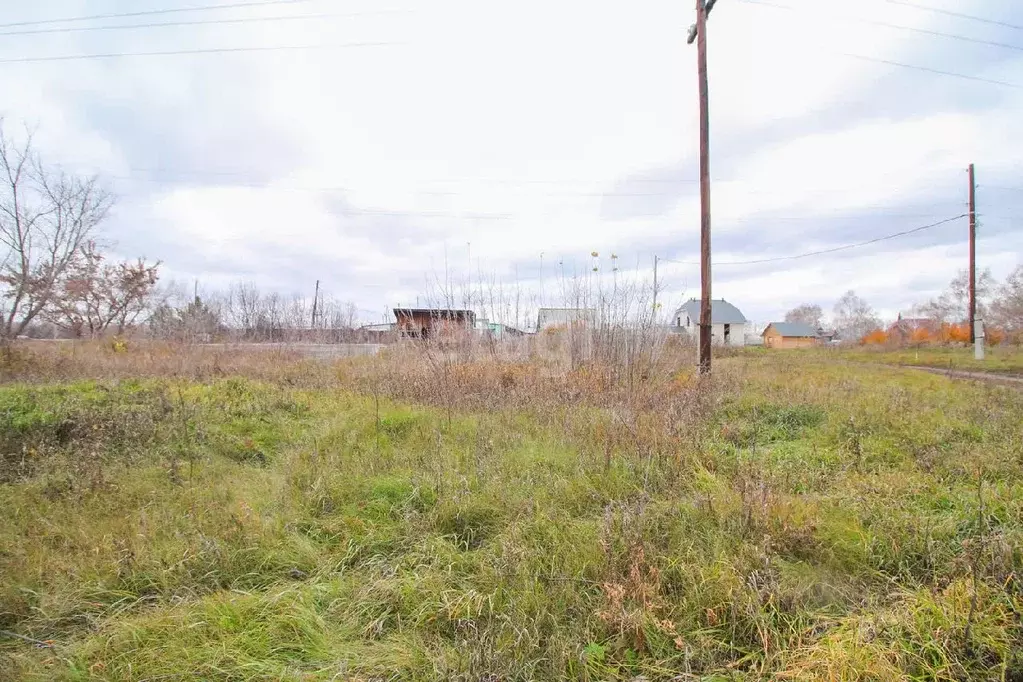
(548, 318)
(496, 330)
(728, 324)
(378, 328)
(905, 329)
(789, 335)
(426, 323)
(827, 336)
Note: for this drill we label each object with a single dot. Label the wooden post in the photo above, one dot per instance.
(316, 297)
(655, 288)
(705, 274)
(973, 255)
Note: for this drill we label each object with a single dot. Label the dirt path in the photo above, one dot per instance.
(1009, 379)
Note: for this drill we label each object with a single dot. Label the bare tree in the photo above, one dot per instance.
(191, 320)
(854, 318)
(93, 296)
(46, 218)
(807, 313)
(1007, 308)
(243, 308)
(953, 303)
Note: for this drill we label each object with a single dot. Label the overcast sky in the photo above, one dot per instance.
(489, 133)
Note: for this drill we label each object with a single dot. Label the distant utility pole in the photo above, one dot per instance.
(316, 297)
(541, 279)
(973, 254)
(698, 32)
(655, 286)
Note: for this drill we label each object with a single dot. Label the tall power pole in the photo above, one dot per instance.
(316, 298)
(973, 253)
(655, 287)
(699, 33)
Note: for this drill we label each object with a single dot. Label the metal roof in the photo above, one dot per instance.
(548, 317)
(721, 312)
(435, 312)
(797, 329)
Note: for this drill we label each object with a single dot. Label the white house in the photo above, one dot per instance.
(728, 324)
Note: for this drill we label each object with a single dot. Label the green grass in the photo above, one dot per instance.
(999, 359)
(808, 521)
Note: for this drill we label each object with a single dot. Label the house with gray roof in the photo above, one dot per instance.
(790, 335)
(728, 324)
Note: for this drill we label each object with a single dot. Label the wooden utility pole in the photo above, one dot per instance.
(699, 32)
(316, 298)
(973, 254)
(655, 287)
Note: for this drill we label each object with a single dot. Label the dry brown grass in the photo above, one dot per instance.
(473, 511)
(47, 361)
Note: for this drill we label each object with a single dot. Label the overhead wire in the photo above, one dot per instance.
(151, 12)
(904, 65)
(875, 211)
(209, 50)
(1000, 188)
(178, 176)
(886, 24)
(928, 69)
(835, 249)
(199, 22)
(959, 15)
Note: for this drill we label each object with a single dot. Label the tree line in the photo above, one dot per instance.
(999, 305)
(58, 280)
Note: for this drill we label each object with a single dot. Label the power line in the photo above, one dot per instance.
(885, 24)
(878, 211)
(831, 250)
(174, 10)
(959, 15)
(927, 69)
(197, 22)
(189, 174)
(177, 176)
(1003, 189)
(422, 214)
(211, 50)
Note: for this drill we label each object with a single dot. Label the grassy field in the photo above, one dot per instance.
(999, 359)
(386, 519)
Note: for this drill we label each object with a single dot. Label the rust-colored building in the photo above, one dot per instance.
(427, 323)
(789, 335)
(908, 329)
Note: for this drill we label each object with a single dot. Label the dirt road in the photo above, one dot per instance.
(1007, 379)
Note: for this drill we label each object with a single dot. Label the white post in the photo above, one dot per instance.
(978, 339)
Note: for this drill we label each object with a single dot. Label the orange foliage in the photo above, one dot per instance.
(921, 335)
(995, 336)
(955, 333)
(878, 337)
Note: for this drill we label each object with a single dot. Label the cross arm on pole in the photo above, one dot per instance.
(707, 7)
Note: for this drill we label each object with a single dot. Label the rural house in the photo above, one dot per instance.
(728, 324)
(548, 318)
(426, 323)
(909, 329)
(789, 335)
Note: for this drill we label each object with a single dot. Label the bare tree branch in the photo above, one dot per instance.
(46, 218)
